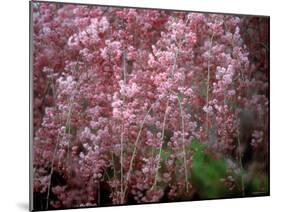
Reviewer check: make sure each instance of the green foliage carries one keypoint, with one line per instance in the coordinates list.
(166, 153)
(207, 173)
(70, 129)
(257, 185)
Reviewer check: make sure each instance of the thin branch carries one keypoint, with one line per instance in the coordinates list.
(122, 129)
(161, 147)
(175, 63)
(52, 170)
(135, 151)
(183, 146)
(207, 89)
(240, 163)
(56, 148)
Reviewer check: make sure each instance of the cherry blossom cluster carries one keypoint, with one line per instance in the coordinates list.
(120, 94)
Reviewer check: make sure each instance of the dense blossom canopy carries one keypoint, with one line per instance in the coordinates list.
(126, 100)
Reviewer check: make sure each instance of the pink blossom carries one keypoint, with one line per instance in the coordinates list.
(114, 86)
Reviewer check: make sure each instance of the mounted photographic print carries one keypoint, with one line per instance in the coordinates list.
(137, 105)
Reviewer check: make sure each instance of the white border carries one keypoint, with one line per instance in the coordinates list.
(14, 103)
